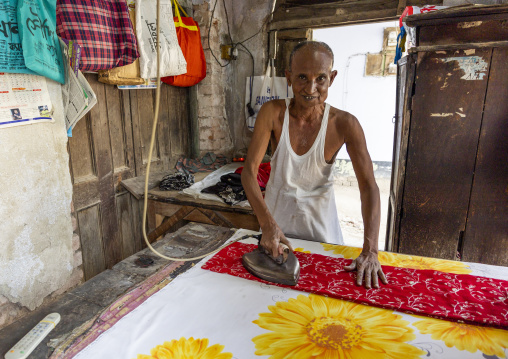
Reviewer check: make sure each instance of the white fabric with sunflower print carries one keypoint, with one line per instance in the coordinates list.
(207, 315)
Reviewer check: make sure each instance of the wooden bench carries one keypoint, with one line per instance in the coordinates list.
(169, 210)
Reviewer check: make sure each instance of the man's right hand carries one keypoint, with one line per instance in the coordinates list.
(271, 240)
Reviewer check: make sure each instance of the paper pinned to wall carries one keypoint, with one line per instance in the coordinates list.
(24, 99)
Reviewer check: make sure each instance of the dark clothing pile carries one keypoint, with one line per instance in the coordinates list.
(176, 182)
(230, 187)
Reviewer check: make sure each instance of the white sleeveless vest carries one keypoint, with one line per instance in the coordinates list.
(299, 193)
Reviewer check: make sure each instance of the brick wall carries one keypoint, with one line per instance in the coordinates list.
(214, 131)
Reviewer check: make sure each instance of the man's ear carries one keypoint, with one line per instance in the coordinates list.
(332, 76)
(288, 77)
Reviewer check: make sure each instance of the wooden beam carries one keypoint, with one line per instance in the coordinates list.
(340, 13)
(477, 45)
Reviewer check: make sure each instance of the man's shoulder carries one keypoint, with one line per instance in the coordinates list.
(272, 110)
(275, 104)
(342, 119)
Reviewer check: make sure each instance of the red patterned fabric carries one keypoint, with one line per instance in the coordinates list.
(455, 297)
(102, 28)
(263, 173)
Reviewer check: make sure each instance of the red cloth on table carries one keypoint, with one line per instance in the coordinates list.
(455, 297)
(263, 173)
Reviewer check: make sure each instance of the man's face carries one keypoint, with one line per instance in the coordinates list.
(310, 76)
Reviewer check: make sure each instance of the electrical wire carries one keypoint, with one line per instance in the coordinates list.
(232, 43)
(147, 175)
(249, 106)
(209, 28)
(252, 77)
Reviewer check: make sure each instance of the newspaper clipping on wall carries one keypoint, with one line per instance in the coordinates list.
(24, 99)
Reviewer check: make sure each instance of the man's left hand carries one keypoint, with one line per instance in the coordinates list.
(368, 267)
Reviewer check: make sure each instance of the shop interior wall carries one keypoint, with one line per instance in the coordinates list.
(37, 257)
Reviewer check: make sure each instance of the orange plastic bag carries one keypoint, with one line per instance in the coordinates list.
(189, 38)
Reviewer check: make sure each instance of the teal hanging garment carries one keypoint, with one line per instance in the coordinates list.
(11, 52)
(37, 30)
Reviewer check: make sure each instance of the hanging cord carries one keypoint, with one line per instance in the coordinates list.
(232, 43)
(147, 176)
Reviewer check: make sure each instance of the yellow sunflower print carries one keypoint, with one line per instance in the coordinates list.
(402, 260)
(300, 249)
(490, 341)
(322, 327)
(187, 349)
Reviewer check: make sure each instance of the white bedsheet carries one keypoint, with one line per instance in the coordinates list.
(222, 308)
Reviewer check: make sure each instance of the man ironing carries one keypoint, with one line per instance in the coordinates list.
(305, 135)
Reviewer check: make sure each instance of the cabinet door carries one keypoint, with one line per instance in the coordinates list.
(447, 109)
(405, 80)
(486, 235)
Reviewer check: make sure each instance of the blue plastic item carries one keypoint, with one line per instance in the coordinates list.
(401, 40)
(37, 30)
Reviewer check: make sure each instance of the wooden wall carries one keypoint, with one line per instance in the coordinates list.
(110, 144)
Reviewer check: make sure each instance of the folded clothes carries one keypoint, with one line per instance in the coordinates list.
(229, 188)
(176, 182)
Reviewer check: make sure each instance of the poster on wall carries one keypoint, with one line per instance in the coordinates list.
(24, 99)
(11, 52)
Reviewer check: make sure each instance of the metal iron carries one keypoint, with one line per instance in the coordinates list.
(284, 269)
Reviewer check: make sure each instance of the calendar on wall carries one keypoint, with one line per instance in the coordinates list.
(24, 99)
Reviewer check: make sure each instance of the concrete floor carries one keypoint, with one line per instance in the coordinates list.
(348, 203)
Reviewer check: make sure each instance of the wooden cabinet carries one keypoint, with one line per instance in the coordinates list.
(449, 190)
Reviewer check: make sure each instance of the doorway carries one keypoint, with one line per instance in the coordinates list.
(365, 86)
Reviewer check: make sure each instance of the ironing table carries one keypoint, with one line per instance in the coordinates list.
(204, 314)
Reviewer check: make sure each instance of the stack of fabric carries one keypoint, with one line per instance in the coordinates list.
(230, 188)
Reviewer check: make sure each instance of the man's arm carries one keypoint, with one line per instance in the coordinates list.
(367, 264)
(272, 235)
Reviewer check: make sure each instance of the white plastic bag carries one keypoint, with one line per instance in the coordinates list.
(264, 89)
(172, 60)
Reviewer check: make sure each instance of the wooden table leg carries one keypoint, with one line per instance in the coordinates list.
(169, 222)
(150, 216)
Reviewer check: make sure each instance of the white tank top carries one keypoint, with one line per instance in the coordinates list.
(299, 193)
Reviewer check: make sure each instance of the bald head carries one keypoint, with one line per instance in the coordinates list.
(313, 46)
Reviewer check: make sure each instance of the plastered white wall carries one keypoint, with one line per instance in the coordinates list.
(371, 99)
(36, 258)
